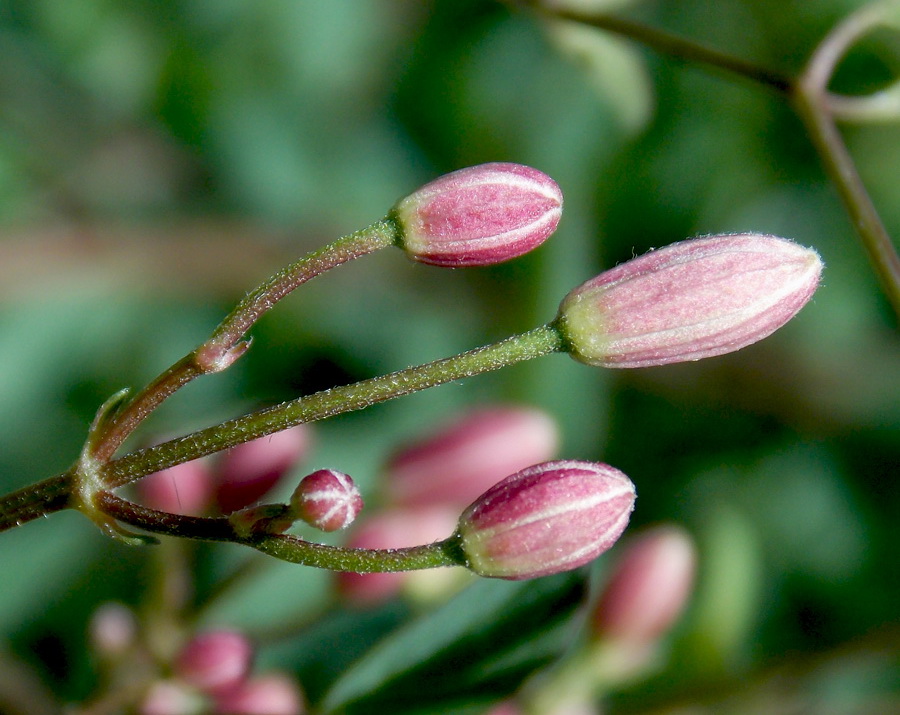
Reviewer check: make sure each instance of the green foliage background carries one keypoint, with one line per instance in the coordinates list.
(158, 159)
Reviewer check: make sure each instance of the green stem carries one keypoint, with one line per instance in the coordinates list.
(669, 44)
(329, 403)
(285, 546)
(813, 105)
(224, 346)
(36, 500)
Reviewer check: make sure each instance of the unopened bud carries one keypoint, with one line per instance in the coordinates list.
(479, 216)
(648, 587)
(113, 629)
(272, 694)
(248, 471)
(183, 489)
(215, 661)
(546, 519)
(465, 458)
(394, 529)
(327, 499)
(691, 300)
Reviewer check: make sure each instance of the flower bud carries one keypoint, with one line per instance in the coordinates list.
(112, 630)
(273, 694)
(478, 216)
(546, 519)
(214, 661)
(183, 489)
(394, 529)
(248, 471)
(327, 499)
(465, 458)
(691, 300)
(648, 587)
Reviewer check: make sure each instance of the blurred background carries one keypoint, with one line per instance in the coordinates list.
(157, 160)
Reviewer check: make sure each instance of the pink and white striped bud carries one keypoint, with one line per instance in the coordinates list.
(183, 489)
(392, 530)
(691, 300)
(248, 471)
(648, 587)
(214, 661)
(546, 519)
(465, 458)
(479, 216)
(272, 694)
(327, 499)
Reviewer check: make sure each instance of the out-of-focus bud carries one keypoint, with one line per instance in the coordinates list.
(546, 519)
(691, 300)
(479, 216)
(272, 694)
(112, 629)
(168, 697)
(327, 499)
(392, 530)
(464, 459)
(214, 661)
(248, 471)
(648, 587)
(183, 489)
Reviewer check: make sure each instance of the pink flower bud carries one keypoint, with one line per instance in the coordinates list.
(214, 661)
(546, 519)
(478, 216)
(392, 530)
(167, 697)
(273, 694)
(248, 471)
(648, 587)
(183, 489)
(327, 499)
(691, 300)
(113, 629)
(463, 459)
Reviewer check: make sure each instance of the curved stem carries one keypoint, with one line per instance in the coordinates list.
(669, 44)
(328, 403)
(224, 347)
(284, 546)
(812, 101)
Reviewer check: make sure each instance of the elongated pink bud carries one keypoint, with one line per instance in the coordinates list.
(691, 300)
(478, 216)
(327, 499)
(215, 661)
(546, 519)
(648, 587)
(468, 456)
(272, 694)
(248, 471)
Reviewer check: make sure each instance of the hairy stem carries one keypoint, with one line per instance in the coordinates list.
(284, 546)
(223, 347)
(330, 403)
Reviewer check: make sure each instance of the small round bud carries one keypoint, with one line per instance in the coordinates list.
(546, 519)
(113, 629)
(214, 661)
(327, 499)
(465, 458)
(272, 694)
(479, 216)
(168, 697)
(248, 471)
(648, 587)
(691, 300)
